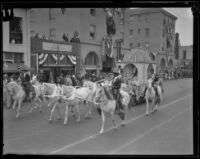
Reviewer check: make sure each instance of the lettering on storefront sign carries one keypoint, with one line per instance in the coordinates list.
(56, 47)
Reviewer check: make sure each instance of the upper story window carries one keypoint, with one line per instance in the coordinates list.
(32, 33)
(139, 30)
(131, 17)
(92, 12)
(122, 36)
(146, 18)
(131, 45)
(138, 44)
(52, 14)
(131, 32)
(92, 31)
(52, 33)
(139, 17)
(15, 25)
(147, 31)
(184, 54)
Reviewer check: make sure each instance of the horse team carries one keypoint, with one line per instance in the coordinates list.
(90, 96)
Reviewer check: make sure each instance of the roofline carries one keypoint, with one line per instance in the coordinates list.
(152, 10)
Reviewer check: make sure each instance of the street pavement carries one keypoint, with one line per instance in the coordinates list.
(169, 131)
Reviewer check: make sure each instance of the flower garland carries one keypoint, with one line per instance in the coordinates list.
(42, 58)
(72, 58)
(62, 57)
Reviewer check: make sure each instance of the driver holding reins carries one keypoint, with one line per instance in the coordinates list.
(116, 85)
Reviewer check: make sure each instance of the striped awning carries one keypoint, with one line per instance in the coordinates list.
(12, 67)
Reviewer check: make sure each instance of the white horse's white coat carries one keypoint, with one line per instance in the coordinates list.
(151, 95)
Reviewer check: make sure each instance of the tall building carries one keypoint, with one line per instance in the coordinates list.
(16, 40)
(186, 56)
(153, 29)
(90, 23)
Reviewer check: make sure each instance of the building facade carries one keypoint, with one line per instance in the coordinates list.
(153, 29)
(16, 38)
(90, 23)
(186, 56)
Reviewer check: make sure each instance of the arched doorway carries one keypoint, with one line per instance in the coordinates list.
(91, 62)
(130, 71)
(162, 64)
(150, 71)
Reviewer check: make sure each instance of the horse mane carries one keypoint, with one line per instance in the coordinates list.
(107, 93)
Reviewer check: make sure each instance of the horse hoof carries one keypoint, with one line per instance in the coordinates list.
(40, 111)
(78, 120)
(146, 114)
(123, 124)
(65, 123)
(50, 121)
(101, 132)
(59, 118)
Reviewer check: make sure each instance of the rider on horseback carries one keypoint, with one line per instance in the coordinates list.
(116, 85)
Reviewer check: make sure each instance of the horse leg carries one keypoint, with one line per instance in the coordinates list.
(14, 104)
(89, 113)
(113, 119)
(78, 112)
(32, 107)
(147, 106)
(19, 108)
(103, 120)
(66, 114)
(52, 111)
(59, 114)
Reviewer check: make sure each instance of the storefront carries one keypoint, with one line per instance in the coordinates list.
(54, 57)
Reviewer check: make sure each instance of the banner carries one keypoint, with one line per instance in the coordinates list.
(72, 59)
(42, 58)
(82, 69)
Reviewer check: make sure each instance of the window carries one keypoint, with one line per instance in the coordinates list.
(92, 31)
(131, 45)
(139, 17)
(147, 31)
(122, 35)
(121, 21)
(92, 12)
(146, 18)
(139, 30)
(32, 33)
(131, 32)
(91, 59)
(184, 54)
(52, 34)
(138, 44)
(131, 17)
(51, 14)
(14, 56)
(16, 30)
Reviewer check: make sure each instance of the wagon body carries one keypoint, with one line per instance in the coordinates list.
(137, 66)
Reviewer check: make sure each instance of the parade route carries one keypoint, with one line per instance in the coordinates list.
(168, 131)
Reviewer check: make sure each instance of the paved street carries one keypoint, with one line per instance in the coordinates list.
(168, 131)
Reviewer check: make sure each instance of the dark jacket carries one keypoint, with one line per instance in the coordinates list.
(117, 83)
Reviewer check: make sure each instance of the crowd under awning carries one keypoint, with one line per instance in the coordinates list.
(13, 68)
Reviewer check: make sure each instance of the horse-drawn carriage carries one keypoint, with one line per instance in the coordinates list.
(137, 67)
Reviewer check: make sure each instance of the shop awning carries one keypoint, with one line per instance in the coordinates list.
(12, 68)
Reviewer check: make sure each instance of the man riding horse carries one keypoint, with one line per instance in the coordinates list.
(155, 79)
(116, 85)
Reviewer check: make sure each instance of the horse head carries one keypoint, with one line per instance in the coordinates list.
(149, 84)
(12, 88)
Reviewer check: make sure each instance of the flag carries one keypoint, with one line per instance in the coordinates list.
(152, 55)
(82, 72)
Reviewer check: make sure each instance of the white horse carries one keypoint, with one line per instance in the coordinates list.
(17, 93)
(104, 97)
(151, 95)
(72, 97)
